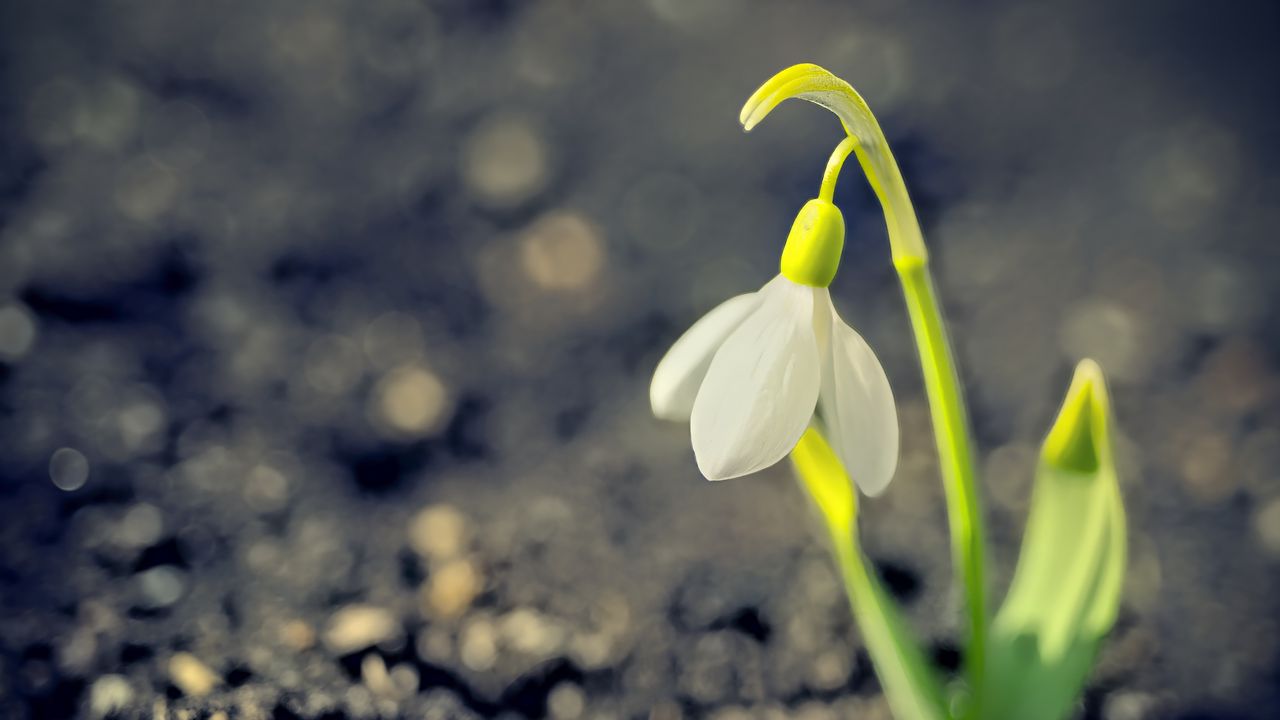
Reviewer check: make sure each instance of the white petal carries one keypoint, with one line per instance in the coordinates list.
(858, 408)
(761, 388)
(679, 374)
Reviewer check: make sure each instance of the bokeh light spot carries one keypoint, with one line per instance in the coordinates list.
(146, 190)
(562, 251)
(505, 161)
(69, 469)
(17, 332)
(411, 401)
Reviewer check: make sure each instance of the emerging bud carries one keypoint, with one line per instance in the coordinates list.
(1079, 435)
(812, 253)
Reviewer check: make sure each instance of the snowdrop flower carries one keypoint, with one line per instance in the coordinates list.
(750, 375)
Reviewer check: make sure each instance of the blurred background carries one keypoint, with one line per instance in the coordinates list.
(326, 330)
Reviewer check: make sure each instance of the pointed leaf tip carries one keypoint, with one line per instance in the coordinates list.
(1079, 433)
(826, 479)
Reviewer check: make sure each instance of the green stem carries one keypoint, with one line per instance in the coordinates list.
(955, 453)
(834, 164)
(912, 691)
(946, 401)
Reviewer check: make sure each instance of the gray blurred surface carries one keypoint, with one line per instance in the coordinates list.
(326, 331)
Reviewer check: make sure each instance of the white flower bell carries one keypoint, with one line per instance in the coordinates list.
(750, 374)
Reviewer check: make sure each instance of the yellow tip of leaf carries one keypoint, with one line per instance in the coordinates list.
(1079, 435)
(825, 478)
(773, 92)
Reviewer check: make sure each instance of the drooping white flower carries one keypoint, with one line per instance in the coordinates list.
(750, 375)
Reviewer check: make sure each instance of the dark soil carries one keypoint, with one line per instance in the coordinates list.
(326, 330)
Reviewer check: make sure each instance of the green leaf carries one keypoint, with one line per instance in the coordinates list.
(909, 683)
(1066, 589)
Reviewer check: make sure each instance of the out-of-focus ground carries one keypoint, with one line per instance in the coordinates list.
(326, 330)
